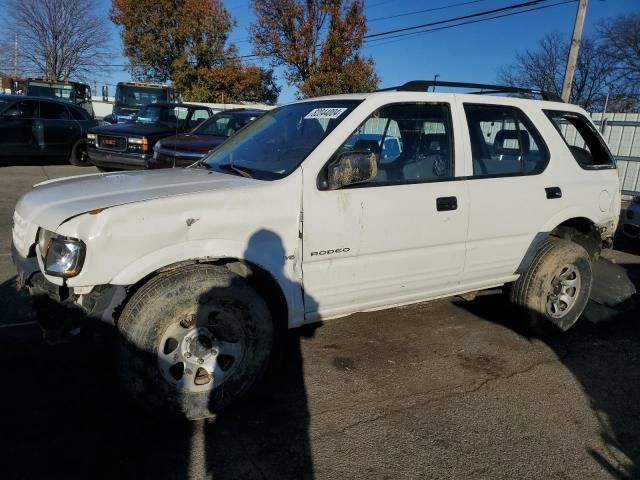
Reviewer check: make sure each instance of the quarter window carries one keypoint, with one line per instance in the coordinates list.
(586, 146)
(503, 142)
(412, 143)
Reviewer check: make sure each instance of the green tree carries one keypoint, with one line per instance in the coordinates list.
(318, 43)
(186, 41)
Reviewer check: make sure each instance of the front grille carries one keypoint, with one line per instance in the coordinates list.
(110, 142)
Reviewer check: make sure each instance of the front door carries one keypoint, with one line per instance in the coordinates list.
(398, 237)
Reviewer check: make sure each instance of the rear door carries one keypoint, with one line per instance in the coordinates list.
(18, 129)
(60, 129)
(510, 186)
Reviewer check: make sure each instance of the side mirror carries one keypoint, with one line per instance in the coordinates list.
(352, 167)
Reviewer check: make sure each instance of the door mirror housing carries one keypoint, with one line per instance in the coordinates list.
(350, 168)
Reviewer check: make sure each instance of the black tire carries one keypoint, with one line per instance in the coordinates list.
(538, 292)
(79, 156)
(219, 306)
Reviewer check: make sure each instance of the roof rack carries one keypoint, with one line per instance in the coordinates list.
(483, 89)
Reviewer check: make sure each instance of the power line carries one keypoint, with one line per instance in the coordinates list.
(455, 19)
(388, 17)
(440, 22)
(405, 36)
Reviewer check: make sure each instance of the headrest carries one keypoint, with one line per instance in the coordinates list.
(436, 142)
(511, 147)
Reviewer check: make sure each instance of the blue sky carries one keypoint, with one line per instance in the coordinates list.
(471, 53)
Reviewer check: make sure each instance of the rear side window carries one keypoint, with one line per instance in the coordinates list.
(586, 146)
(53, 111)
(503, 142)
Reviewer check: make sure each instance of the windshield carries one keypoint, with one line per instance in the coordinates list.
(52, 90)
(276, 143)
(224, 124)
(138, 96)
(166, 114)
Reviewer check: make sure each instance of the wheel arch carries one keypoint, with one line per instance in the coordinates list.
(579, 229)
(261, 279)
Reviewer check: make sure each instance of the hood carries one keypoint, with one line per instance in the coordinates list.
(190, 142)
(50, 203)
(135, 129)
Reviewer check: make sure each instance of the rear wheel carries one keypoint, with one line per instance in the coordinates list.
(555, 289)
(79, 156)
(194, 340)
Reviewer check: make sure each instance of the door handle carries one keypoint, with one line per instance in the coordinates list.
(553, 192)
(445, 204)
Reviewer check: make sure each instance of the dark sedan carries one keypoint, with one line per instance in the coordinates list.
(126, 146)
(38, 127)
(185, 149)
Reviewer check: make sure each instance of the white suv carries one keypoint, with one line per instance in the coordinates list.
(320, 209)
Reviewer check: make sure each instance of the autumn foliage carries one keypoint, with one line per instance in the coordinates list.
(186, 41)
(318, 43)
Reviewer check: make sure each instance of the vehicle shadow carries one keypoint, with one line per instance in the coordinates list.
(65, 414)
(605, 358)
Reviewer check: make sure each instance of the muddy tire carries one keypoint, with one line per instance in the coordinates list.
(79, 156)
(554, 291)
(193, 341)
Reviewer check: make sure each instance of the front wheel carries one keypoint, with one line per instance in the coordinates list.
(555, 289)
(79, 156)
(194, 340)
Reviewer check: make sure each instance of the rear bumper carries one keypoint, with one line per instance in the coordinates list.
(121, 160)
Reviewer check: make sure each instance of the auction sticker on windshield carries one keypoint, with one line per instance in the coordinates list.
(325, 113)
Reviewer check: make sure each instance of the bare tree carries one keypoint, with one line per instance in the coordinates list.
(58, 39)
(620, 39)
(544, 66)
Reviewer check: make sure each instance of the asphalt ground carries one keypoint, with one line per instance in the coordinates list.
(444, 389)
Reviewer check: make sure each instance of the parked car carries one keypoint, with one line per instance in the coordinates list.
(43, 127)
(184, 149)
(631, 220)
(126, 146)
(289, 222)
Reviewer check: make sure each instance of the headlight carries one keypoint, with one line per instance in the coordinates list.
(138, 144)
(62, 256)
(91, 138)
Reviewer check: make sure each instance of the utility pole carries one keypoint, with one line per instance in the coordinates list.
(573, 51)
(15, 55)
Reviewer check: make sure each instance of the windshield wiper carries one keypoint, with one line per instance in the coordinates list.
(242, 171)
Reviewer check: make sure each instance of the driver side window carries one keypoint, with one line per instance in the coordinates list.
(412, 143)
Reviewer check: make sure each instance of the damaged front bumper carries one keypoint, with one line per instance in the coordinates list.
(100, 303)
